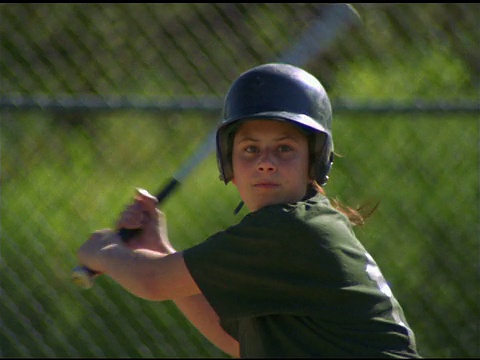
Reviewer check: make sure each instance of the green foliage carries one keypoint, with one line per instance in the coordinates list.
(433, 74)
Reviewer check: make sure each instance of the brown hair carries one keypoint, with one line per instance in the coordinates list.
(357, 216)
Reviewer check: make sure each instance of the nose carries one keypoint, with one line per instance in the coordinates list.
(266, 162)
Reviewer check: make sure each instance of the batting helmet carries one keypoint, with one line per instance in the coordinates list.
(278, 92)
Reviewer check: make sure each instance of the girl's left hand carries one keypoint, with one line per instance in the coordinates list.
(143, 214)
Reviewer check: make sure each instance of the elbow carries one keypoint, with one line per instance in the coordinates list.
(162, 278)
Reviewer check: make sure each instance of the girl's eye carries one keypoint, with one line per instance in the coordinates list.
(252, 149)
(284, 148)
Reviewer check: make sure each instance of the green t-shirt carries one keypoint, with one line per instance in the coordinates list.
(292, 280)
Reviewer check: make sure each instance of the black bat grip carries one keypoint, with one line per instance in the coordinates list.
(167, 190)
(127, 234)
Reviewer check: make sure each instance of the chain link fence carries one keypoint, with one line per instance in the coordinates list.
(97, 99)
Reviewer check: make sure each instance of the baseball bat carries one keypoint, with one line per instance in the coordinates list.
(83, 276)
(317, 38)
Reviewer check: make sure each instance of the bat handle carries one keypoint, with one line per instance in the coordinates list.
(84, 277)
(127, 234)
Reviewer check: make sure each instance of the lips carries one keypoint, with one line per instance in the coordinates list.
(266, 184)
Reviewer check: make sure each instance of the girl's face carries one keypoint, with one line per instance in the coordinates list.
(270, 163)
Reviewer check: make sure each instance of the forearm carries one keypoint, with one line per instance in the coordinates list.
(199, 312)
(138, 271)
(151, 275)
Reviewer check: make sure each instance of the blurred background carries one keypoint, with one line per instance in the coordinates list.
(97, 99)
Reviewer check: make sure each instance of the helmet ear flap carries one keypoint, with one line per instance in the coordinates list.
(321, 150)
(323, 169)
(224, 151)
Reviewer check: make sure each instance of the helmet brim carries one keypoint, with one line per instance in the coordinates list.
(297, 119)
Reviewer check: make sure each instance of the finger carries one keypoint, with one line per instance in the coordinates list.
(148, 201)
(131, 217)
(100, 234)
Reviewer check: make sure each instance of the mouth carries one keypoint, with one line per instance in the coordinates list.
(265, 185)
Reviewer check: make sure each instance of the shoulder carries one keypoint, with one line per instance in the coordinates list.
(311, 222)
(315, 213)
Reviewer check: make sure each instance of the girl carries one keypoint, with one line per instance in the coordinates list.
(290, 279)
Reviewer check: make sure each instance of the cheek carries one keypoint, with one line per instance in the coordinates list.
(238, 166)
(304, 169)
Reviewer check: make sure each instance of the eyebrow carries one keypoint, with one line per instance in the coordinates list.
(247, 137)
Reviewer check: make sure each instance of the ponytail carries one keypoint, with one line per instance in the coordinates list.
(356, 216)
